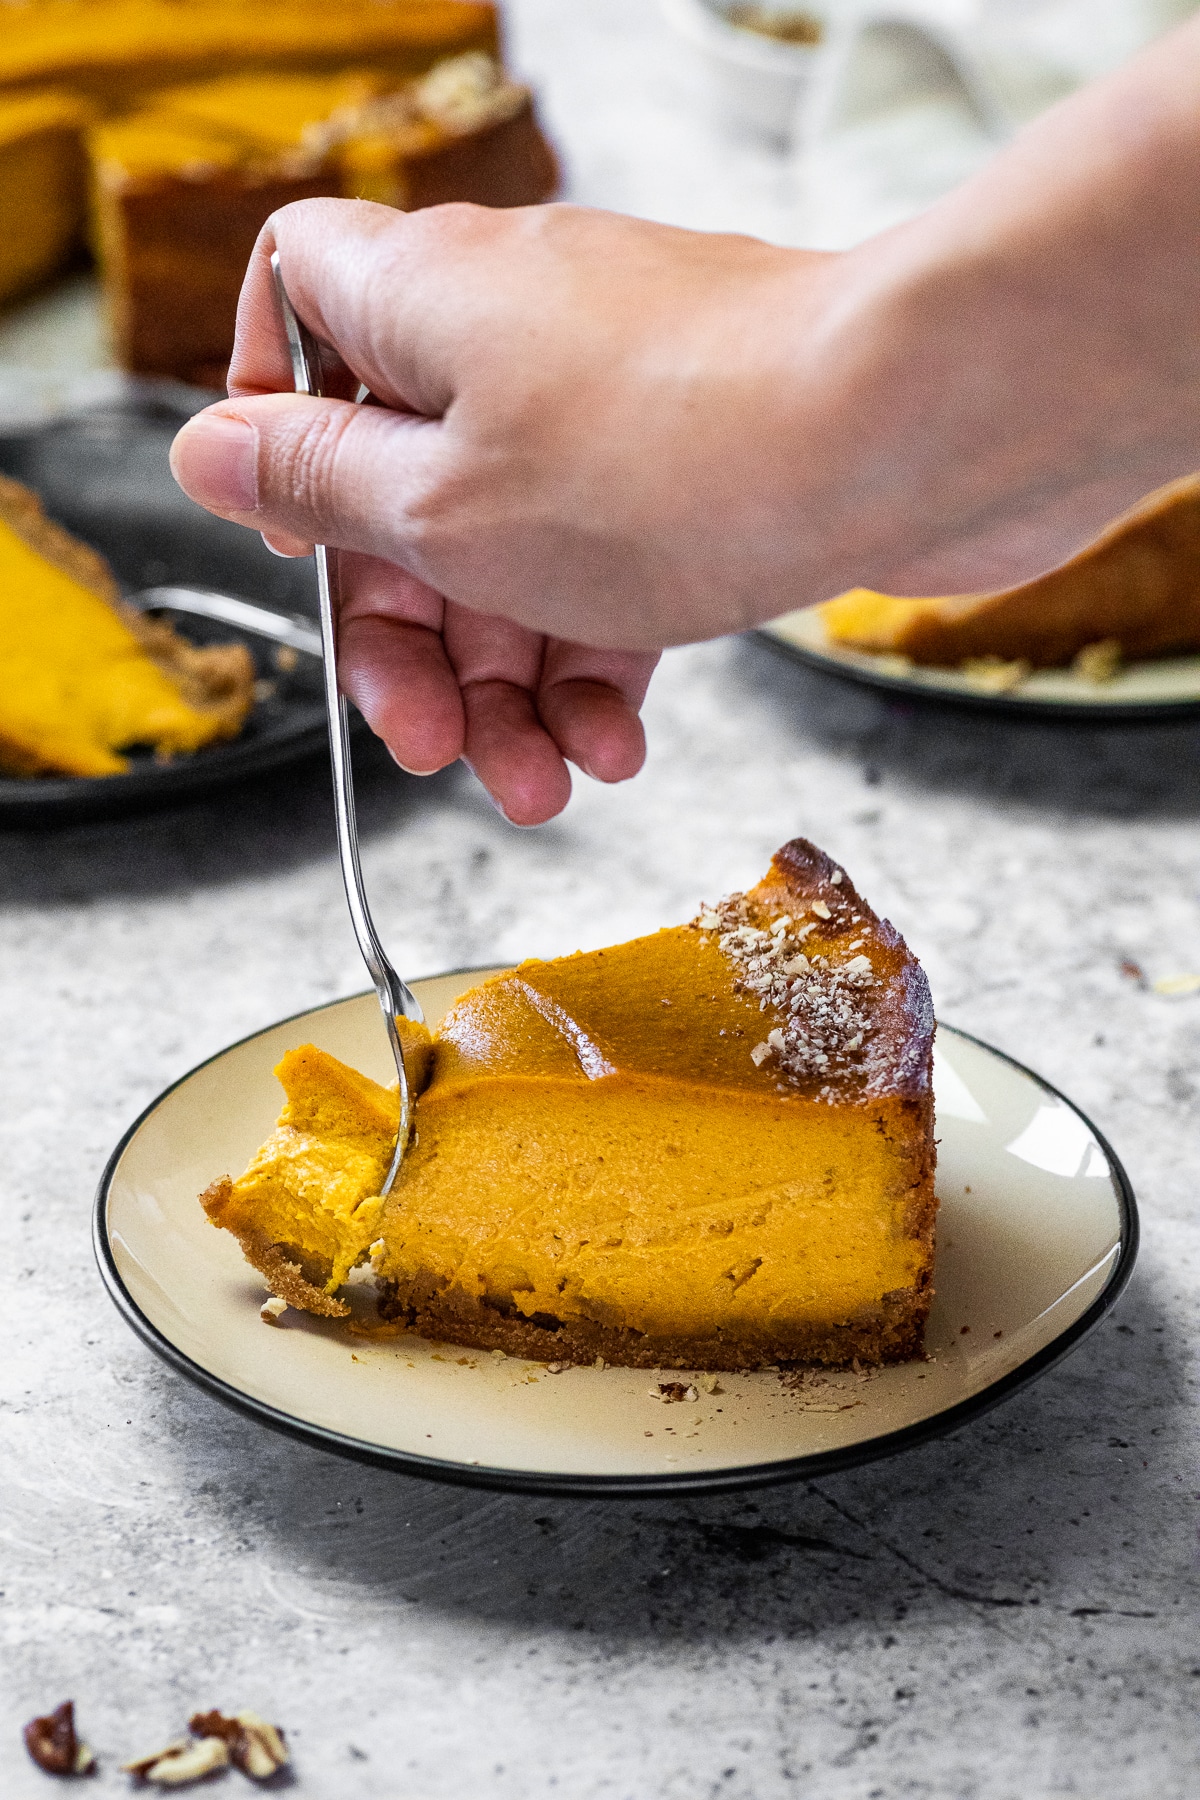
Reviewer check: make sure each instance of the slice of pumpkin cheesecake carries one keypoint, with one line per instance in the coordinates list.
(707, 1148)
(1134, 590)
(83, 676)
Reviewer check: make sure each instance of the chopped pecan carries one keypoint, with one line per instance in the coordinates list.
(256, 1747)
(187, 1759)
(53, 1745)
(673, 1392)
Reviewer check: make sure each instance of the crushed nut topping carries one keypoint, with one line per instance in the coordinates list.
(255, 1747)
(461, 95)
(53, 1745)
(671, 1393)
(187, 1759)
(272, 1310)
(824, 1024)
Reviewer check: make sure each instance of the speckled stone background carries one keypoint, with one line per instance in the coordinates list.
(1007, 1614)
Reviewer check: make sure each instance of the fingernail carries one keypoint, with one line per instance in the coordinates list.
(288, 555)
(423, 773)
(215, 461)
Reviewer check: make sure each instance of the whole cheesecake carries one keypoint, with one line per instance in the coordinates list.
(710, 1148)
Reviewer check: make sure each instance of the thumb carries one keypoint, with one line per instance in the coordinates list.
(311, 470)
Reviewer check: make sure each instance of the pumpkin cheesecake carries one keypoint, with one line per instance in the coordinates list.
(708, 1148)
(183, 187)
(84, 677)
(43, 187)
(1135, 589)
(116, 51)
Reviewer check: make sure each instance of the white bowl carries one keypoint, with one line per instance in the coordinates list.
(757, 82)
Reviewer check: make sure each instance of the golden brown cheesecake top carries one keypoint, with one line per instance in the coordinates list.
(793, 988)
(114, 48)
(355, 122)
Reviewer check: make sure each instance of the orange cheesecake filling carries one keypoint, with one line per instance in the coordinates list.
(706, 1145)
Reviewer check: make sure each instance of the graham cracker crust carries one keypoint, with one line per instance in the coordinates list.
(894, 1334)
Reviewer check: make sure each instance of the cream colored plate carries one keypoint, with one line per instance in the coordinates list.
(1140, 690)
(1037, 1234)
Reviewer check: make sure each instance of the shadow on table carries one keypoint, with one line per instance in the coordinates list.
(257, 828)
(1056, 1504)
(1131, 770)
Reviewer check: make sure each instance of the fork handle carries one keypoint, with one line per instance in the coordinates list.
(396, 999)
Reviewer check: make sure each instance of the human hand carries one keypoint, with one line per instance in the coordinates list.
(617, 435)
(437, 682)
(434, 679)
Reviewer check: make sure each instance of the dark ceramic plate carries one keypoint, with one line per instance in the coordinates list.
(102, 471)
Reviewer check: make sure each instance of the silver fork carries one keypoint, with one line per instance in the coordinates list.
(395, 996)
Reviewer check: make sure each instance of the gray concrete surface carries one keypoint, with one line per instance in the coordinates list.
(1004, 1615)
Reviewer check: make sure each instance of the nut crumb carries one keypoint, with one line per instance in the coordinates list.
(837, 877)
(671, 1393)
(1176, 987)
(272, 1310)
(994, 674)
(255, 1746)
(556, 1368)
(1099, 662)
(709, 1384)
(53, 1745)
(821, 1004)
(187, 1759)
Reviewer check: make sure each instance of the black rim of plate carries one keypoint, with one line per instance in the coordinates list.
(75, 800)
(752, 1475)
(1085, 712)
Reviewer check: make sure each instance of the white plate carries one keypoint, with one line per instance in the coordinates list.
(1139, 691)
(1036, 1236)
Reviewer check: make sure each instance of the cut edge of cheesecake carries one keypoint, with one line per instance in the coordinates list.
(896, 1076)
(1135, 586)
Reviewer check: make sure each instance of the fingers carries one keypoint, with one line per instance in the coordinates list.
(498, 666)
(375, 285)
(532, 705)
(514, 757)
(589, 700)
(393, 664)
(262, 361)
(302, 470)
